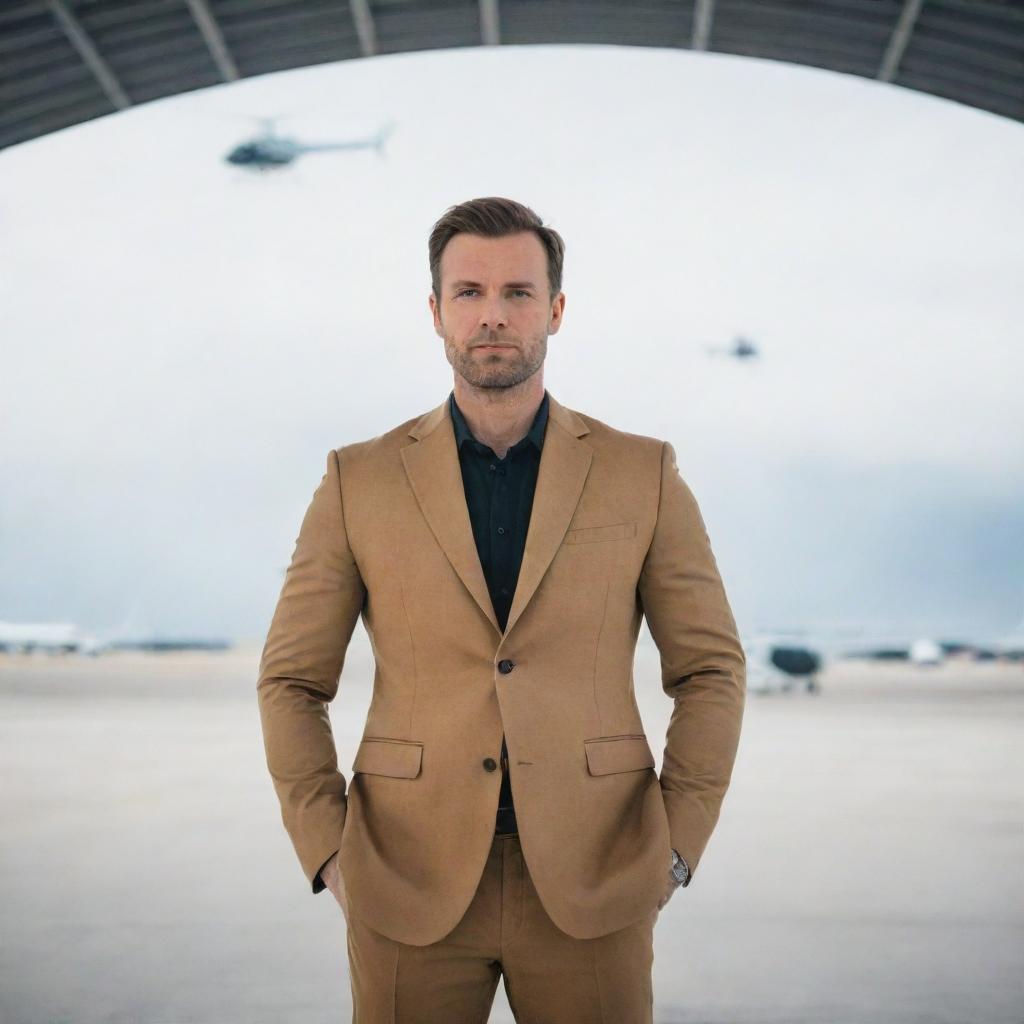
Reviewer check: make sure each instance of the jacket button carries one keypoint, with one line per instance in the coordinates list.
(490, 764)
(505, 666)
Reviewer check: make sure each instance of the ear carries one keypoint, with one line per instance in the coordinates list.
(435, 310)
(557, 308)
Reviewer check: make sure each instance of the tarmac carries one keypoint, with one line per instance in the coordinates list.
(867, 865)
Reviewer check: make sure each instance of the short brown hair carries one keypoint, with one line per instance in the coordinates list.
(494, 217)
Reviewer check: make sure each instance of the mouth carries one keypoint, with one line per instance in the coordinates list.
(485, 347)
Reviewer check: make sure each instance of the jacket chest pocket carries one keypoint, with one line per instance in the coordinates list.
(398, 759)
(609, 754)
(591, 534)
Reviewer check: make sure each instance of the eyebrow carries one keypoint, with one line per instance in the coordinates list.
(508, 284)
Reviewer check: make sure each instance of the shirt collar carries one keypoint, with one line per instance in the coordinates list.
(535, 434)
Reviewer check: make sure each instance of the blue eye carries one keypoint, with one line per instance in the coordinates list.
(465, 291)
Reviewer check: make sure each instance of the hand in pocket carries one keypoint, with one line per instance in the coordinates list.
(331, 874)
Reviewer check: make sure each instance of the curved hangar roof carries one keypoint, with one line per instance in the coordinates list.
(66, 61)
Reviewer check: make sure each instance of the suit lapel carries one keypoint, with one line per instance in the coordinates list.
(435, 475)
(564, 464)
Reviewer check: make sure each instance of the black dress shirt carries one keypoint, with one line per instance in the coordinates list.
(499, 496)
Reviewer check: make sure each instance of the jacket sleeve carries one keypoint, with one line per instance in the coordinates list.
(703, 665)
(319, 604)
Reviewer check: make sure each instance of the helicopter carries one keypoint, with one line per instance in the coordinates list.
(270, 150)
(740, 349)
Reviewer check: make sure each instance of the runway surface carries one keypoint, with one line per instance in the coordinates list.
(868, 865)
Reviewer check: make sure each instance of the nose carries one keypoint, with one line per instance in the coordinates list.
(494, 315)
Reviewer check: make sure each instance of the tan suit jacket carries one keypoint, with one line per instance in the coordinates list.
(615, 534)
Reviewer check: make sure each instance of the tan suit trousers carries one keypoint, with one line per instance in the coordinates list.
(549, 976)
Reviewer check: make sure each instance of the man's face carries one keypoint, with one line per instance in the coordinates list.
(494, 292)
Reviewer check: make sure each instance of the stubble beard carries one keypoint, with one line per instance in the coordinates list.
(498, 370)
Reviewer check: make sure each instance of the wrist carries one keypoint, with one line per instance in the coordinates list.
(328, 869)
(680, 869)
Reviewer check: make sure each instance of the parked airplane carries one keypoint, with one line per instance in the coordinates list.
(68, 638)
(785, 661)
(54, 637)
(777, 664)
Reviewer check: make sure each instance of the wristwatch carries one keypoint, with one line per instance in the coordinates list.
(680, 869)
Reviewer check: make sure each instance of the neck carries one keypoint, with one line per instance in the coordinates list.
(499, 417)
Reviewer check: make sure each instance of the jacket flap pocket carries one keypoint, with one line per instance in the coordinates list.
(614, 531)
(400, 759)
(608, 754)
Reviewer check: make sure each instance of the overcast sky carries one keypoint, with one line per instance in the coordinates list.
(183, 342)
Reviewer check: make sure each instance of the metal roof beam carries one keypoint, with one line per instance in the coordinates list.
(364, 26)
(490, 23)
(203, 17)
(80, 40)
(703, 18)
(899, 40)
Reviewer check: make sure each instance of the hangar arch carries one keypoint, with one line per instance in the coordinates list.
(63, 62)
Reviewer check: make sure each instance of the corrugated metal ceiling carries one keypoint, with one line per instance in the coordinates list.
(66, 61)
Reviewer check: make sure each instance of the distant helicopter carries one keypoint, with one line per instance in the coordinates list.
(270, 150)
(740, 349)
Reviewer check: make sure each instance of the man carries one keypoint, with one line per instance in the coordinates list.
(504, 817)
